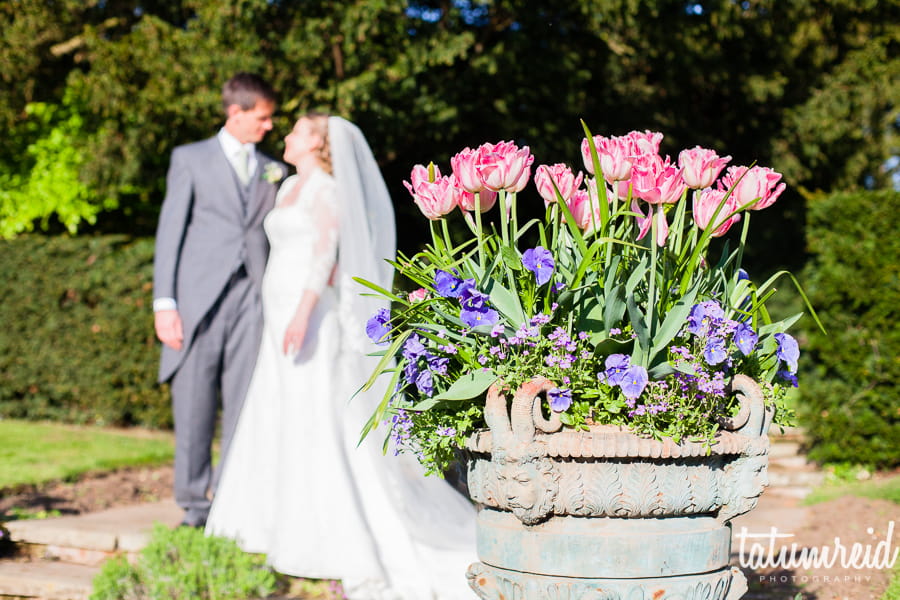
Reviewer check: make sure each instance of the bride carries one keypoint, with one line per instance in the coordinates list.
(295, 485)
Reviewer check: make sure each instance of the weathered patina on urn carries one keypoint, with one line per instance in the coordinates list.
(605, 514)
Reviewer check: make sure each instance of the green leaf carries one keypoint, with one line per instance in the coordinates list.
(642, 341)
(378, 416)
(471, 385)
(380, 290)
(614, 308)
(674, 320)
(511, 258)
(506, 302)
(389, 354)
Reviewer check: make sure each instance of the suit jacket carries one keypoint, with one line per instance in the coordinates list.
(205, 233)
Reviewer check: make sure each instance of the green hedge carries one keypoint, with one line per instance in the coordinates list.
(850, 399)
(77, 341)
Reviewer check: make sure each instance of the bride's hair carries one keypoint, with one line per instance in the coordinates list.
(320, 125)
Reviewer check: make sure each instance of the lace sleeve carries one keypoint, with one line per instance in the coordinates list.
(323, 211)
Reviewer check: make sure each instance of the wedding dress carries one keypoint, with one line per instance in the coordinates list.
(295, 485)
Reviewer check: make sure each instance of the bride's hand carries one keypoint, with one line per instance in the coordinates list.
(294, 335)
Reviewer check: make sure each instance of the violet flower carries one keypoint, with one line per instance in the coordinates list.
(413, 348)
(378, 326)
(450, 286)
(560, 399)
(702, 315)
(476, 310)
(539, 261)
(634, 381)
(425, 383)
(714, 352)
(788, 350)
(745, 338)
(616, 365)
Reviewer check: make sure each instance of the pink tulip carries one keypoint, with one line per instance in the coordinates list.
(466, 199)
(464, 167)
(705, 204)
(656, 181)
(644, 173)
(645, 222)
(585, 210)
(646, 142)
(700, 166)
(622, 189)
(420, 173)
(614, 154)
(434, 198)
(417, 295)
(566, 182)
(757, 183)
(504, 166)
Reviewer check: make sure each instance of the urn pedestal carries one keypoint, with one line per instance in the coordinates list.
(605, 514)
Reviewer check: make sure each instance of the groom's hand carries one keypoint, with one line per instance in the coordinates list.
(168, 328)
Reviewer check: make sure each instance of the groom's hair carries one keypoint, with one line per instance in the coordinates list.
(245, 89)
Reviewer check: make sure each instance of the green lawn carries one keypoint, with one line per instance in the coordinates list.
(884, 489)
(32, 453)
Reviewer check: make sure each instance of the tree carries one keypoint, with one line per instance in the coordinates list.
(804, 87)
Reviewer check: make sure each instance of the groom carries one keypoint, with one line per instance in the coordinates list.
(210, 255)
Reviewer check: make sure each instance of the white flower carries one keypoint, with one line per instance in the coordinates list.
(273, 173)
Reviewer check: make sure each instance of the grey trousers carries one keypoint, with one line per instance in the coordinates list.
(217, 368)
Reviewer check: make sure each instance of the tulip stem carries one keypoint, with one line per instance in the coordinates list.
(504, 218)
(479, 234)
(515, 218)
(449, 243)
(651, 295)
(744, 231)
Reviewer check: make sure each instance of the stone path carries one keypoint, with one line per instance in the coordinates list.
(66, 552)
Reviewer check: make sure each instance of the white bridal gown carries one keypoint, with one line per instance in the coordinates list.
(295, 485)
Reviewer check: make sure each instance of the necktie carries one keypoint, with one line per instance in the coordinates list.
(241, 167)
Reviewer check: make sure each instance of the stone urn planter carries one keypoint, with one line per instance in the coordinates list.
(605, 514)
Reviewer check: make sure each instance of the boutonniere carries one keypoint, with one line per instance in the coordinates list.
(272, 173)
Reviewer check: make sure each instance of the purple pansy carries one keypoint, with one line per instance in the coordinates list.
(448, 285)
(539, 261)
(616, 365)
(475, 309)
(425, 383)
(378, 326)
(560, 399)
(634, 381)
(788, 377)
(702, 315)
(438, 364)
(788, 350)
(745, 338)
(413, 348)
(411, 371)
(714, 352)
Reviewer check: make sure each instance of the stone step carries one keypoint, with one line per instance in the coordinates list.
(793, 463)
(46, 580)
(794, 478)
(784, 449)
(91, 538)
(790, 434)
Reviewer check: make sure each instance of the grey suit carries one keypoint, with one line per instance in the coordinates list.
(210, 256)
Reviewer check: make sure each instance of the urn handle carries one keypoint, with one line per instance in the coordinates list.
(525, 417)
(753, 418)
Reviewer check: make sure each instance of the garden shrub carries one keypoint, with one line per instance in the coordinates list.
(184, 564)
(850, 396)
(77, 342)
